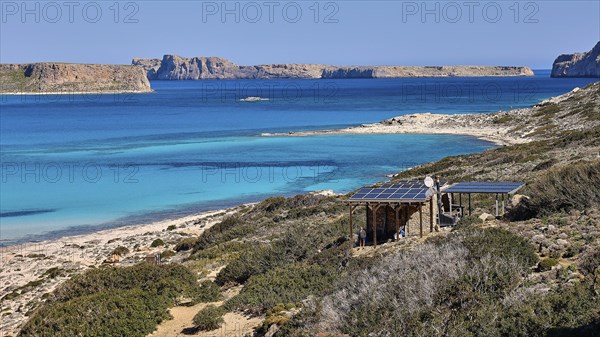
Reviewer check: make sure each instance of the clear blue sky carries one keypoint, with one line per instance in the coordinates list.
(366, 32)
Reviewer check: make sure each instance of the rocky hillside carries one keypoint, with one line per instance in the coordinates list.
(578, 64)
(173, 67)
(69, 78)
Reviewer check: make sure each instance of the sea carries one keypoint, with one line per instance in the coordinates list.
(76, 163)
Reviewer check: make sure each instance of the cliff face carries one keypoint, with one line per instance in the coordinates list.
(173, 67)
(578, 64)
(66, 77)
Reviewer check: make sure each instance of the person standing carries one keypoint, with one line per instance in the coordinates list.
(362, 237)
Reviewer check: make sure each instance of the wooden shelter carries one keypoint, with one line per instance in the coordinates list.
(390, 207)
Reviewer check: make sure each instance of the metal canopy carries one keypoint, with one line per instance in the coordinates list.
(498, 187)
(401, 191)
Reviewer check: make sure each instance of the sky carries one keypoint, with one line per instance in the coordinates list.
(344, 32)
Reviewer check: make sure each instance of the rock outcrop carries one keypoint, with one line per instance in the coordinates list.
(71, 78)
(173, 67)
(578, 64)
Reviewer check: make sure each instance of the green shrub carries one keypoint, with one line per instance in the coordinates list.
(566, 188)
(185, 244)
(547, 264)
(121, 251)
(574, 249)
(209, 292)
(292, 283)
(157, 243)
(167, 253)
(209, 318)
(468, 221)
(171, 227)
(170, 280)
(117, 312)
(590, 259)
(128, 301)
(498, 242)
(272, 204)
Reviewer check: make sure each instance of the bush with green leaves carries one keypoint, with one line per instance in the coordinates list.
(209, 318)
(567, 187)
(468, 221)
(157, 243)
(121, 251)
(289, 284)
(209, 292)
(547, 264)
(128, 301)
(185, 244)
(130, 312)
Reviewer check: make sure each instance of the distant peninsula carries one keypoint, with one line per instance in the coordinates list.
(70, 78)
(579, 64)
(173, 67)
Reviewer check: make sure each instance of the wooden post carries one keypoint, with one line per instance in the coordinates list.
(352, 207)
(503, 210)
(406, 218)
(496, 205)
(460, 203)
(397, 211)
(469, 203)
(420, 220)
(375, 208)
(431, 215)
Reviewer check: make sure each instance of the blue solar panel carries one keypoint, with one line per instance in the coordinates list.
(406, 191)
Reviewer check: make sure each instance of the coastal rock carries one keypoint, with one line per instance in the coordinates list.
(578, 64)
(173, 67)
(71, 78)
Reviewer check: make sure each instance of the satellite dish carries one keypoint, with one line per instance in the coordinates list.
(429, 192)
(428, 182)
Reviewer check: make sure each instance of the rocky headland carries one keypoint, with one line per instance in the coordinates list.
(578, 64)
(69, 78)
(173, 67)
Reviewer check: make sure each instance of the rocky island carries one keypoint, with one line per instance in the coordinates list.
(579, 64)
(69, 78)
(173, 67)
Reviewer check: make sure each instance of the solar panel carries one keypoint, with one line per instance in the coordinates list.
(503, 187)
(405, 191)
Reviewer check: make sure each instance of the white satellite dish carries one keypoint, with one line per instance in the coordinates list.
(428, 182)
(429, 192)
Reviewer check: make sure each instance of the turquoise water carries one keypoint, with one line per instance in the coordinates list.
(77, 163)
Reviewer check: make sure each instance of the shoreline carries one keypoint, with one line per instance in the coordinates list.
(481, 126)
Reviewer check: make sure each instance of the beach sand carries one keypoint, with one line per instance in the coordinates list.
(480, 126)
(28, 268)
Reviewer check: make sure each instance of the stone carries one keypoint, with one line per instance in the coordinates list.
(486, 217)
(562, 242)
(578, 64)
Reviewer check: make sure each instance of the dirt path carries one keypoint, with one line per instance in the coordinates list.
(235, 323)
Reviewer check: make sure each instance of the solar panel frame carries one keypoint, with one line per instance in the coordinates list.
(499, 187)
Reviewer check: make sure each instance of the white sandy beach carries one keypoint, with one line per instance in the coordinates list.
(480, 126)
(28, 262)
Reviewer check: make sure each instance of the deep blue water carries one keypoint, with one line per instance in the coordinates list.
(81, 162)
